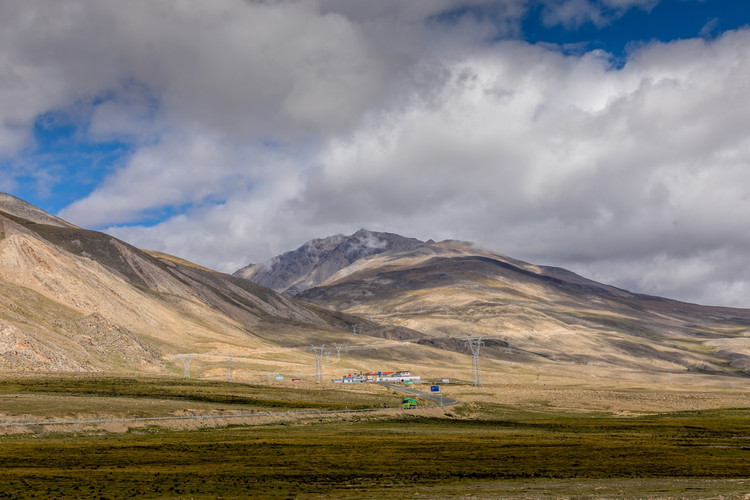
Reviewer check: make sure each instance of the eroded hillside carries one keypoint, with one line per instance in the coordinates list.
(78, 300)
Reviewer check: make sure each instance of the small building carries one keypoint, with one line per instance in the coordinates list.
(352, 378)
(402, 376)
(358, 378)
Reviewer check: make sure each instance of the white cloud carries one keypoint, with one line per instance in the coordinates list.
(201, 88)
(244, 69)
(277, 122)
(565, 160)
(634, 176)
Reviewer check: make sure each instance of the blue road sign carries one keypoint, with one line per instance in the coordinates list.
(434, 388)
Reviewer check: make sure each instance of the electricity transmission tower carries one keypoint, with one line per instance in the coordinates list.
(318, 359)
(474, 344)
(338, 352)
(229, 368)
(186, 359)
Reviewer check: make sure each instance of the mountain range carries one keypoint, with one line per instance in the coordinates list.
(78, 300)
(451, 290)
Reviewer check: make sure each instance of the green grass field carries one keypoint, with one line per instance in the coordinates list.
(498, 451)
(67, 397)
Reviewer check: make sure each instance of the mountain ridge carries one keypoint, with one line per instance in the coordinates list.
(78, 300)
(452, 290)
(25, 210)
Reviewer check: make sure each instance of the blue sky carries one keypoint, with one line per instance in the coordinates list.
(605, 136)
(665, 21)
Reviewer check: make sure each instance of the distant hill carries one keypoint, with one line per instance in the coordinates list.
(450, 290)
(79, 300)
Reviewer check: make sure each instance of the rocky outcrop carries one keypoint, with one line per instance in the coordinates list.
(101, 337)
(24, 351)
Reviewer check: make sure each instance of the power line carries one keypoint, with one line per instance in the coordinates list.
(318, 369)
(186, 360)
(474, 344)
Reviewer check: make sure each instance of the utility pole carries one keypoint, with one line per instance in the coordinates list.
(474, 344)
(318, 358)
(186, 359)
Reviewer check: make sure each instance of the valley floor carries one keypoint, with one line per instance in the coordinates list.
(498, 441)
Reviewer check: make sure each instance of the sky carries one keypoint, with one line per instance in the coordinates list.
(609, 137)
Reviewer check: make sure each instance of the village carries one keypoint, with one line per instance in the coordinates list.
(398, 376)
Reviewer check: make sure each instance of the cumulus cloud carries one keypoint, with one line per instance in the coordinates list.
(264, 124)
(552, 157)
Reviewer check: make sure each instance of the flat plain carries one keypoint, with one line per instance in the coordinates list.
(509, 441)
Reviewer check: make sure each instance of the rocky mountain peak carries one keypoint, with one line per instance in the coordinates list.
(318, 259)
